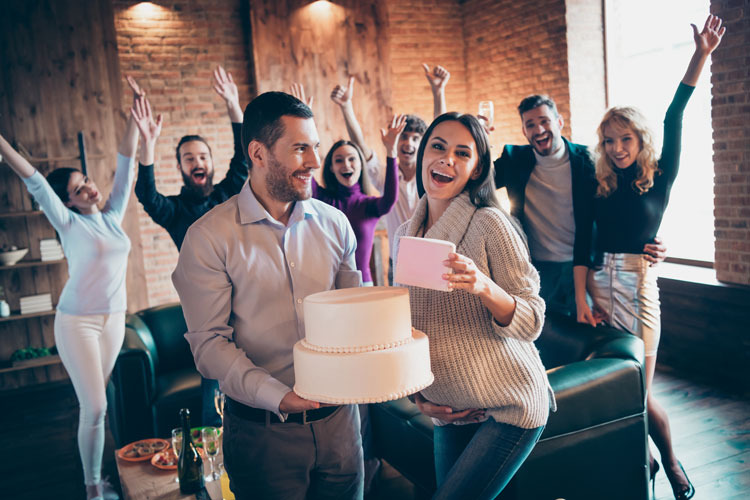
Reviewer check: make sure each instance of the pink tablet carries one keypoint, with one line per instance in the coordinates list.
(420, 262)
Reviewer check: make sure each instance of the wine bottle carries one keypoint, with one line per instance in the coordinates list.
(190, 464)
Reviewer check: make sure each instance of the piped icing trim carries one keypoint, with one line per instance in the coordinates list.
(380, 399)
(366, 348)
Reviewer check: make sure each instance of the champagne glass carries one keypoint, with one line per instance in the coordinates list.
(219, 404)
(211, 446)
(176, 446)
(487, 110)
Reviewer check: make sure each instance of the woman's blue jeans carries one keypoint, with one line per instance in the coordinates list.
(478, 460)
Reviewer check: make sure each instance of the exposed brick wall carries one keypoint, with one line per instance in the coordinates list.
(426, 31)
(730, 77)
(514, 49)
(498, 50)
(172, 51)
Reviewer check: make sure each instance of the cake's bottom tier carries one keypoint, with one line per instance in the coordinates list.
(363, 377)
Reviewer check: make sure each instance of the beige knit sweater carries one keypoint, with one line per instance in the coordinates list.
(478, 363)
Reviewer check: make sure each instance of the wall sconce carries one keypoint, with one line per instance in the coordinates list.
(320, 8)
(147, 10)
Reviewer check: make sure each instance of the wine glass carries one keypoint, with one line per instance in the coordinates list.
(487, 110)
(219, 404)
(211, 446)
(176, 446)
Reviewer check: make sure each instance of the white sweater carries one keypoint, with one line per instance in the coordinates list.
(476, 362)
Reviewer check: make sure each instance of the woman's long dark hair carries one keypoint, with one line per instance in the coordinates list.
(482, 189)
(58, 180)
(329, 178)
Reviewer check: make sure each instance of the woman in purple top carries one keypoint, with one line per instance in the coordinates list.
(350, 191)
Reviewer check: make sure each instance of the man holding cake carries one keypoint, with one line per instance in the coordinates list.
(243, 272)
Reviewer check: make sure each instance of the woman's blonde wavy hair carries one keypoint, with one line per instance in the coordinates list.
(606, 176)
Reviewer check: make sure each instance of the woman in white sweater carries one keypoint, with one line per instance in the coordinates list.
(90, 317)
(491, 397)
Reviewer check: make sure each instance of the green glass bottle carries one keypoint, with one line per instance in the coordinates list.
(190, 464)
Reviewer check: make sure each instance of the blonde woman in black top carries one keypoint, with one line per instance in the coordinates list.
(632, 195)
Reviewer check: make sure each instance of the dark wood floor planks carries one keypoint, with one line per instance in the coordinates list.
(711, 437)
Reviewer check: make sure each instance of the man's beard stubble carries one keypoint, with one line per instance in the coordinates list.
(280, 186)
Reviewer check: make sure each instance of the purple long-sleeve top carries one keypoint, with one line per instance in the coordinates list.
(363, 211)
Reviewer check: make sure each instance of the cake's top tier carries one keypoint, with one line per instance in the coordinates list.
(357, 319)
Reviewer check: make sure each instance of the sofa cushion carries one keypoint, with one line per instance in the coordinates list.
(168, 328)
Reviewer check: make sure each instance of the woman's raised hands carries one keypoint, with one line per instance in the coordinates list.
(390, 136)
(709, 38)
(138, 92)
(298, 91)
(343, 95)
(224, 85)
(705, 42)
(144, 120)
(149, 128)
(226, 88)
(437, 77)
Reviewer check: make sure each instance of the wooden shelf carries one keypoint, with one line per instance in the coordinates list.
(8, 215)
(33, 263)
(16, 316)
(31, 363)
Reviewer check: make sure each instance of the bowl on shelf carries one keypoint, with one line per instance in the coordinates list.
(10, 257)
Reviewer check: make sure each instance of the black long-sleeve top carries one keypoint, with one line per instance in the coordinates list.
(176, 213)
(627, 220)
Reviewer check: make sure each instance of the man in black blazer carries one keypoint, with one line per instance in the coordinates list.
(551, 186)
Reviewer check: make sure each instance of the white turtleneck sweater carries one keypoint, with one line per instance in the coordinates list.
(548, 209)
(476, 362)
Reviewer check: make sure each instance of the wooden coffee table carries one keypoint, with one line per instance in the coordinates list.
(143, 481)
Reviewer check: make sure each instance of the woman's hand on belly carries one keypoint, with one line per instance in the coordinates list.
(446, 413)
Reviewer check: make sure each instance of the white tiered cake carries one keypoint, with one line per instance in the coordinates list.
(359, 347)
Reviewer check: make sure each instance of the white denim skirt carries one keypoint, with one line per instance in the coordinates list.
(625, 289)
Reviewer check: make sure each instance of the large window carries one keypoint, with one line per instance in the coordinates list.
(649, 44)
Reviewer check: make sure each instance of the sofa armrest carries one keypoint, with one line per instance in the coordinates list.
(616, 344)
(594, 392)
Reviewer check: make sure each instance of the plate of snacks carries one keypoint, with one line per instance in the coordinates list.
(166, 460)
(143, 449)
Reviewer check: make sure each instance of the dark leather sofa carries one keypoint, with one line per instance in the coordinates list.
(593, 447)
(153, 378)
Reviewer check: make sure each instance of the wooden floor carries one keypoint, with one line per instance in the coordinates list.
(39, 454)
(711, 437)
